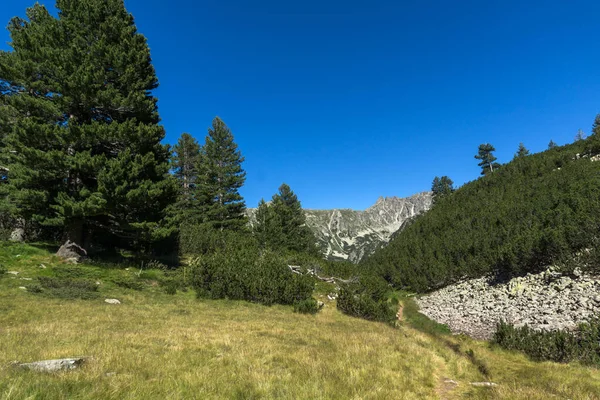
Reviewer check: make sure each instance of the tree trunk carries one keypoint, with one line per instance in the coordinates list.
(74, 231)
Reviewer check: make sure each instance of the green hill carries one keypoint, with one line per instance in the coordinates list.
(533, 211)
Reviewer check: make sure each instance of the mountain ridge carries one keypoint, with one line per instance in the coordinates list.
(351, 235)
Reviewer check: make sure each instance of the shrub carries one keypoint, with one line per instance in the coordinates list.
(560, 346)
(243, 274)
(3, 270)
(128, 282)
(308, 306)
(67, 288)
(367, 299)
(170, 287)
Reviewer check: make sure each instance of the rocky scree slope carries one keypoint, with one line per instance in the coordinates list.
(351, 235)
(548, 300)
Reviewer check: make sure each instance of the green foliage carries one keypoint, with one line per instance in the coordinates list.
(441, 187)
(583, 345)
(82, 139)
(307, 306)
(281, 225)
(220, 176)
(532, 212)
(552, 145)
(199, 239)
(522, 151)
(128, 282)
(61, 288)
(184, 164)
(241, 273)
(410, 313)
(485, 154)
(367, 299)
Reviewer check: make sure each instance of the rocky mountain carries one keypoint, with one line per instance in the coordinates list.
(351, 235)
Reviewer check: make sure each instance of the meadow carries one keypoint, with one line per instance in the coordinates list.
(156, 345)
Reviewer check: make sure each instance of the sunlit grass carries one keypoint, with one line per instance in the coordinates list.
(157, 346)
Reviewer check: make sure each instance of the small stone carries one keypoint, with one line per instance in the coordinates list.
(112, 301)
(42, 266)
(54, 365)
(22, 288)
(26, 279)
(13, 272)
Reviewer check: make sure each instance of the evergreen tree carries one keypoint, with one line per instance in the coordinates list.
(281, 225)
(220, 176)
(441, 187)
(295, 235)
(593, 142)
(552, 145)
(522, 151)
(579, 136)
(184, 164)
(487, 158)
(85, 130)
(268, 227)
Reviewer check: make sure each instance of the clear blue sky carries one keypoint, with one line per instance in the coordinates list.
(347, 101)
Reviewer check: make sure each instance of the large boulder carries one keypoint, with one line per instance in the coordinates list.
(72, 252)
(17, 235)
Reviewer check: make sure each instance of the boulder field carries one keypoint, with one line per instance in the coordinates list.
(548, 300)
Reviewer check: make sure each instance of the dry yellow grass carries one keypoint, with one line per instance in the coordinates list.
(155, 346)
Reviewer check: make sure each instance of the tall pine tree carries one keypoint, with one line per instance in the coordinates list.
(184, 164)
(441, 187)
(282, 223)
(85, 135)
(522, 151)
(485, 154)
(220, 176)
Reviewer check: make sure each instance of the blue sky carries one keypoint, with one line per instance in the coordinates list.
(347, 101)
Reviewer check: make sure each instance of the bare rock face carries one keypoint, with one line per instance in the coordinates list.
(352, 235)
(71, 252)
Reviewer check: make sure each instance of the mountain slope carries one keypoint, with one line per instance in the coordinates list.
(351, 235)
(530, 213)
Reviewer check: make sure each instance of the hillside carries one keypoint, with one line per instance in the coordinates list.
(351, 235)
(534, 211)
(154, 346)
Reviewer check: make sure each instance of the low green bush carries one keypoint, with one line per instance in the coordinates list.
(128, 282)
(581, 345)
(308, 306)
(66, 288)
(367, 299)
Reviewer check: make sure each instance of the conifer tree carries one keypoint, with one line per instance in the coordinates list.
(184, 164)
(295, 235)
(552, 145)
(441, 187)
(487, 158)
(267, 229)
(579, 136)
(220, 176)
(522, 151)
(84, 129)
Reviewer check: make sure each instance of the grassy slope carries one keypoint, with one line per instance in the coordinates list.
(161, 346)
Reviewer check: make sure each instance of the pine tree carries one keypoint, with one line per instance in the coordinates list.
(85, 131)
(522, 151)
(267, 228)
(441, 187)
(295, 235)
(184, 164)
(487, 158)
(220, 176)
(552, 145)
(579, 136)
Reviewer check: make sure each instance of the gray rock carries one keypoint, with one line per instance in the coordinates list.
(17, 235)
(63, 364)
(112, 301)
(71, 252)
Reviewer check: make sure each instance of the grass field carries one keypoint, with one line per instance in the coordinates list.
(160, 346)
